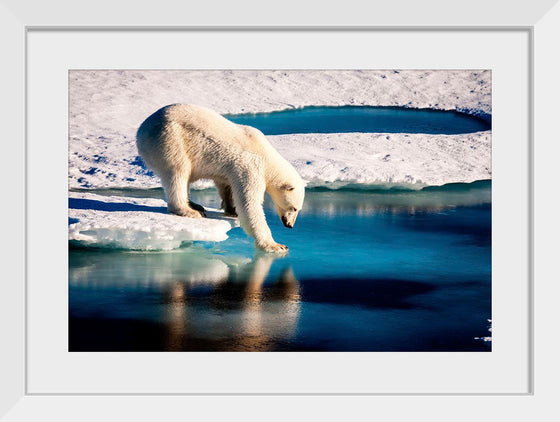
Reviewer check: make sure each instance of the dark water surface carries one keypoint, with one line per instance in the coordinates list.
(344, 119)
(367, 271)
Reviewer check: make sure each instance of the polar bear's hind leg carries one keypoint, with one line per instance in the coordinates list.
(176, 186)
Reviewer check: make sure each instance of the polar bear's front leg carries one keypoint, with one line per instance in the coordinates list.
(248, 191)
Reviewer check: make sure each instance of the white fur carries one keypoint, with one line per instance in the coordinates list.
(183, 143)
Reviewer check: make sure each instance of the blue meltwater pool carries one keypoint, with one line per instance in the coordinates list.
(366, 271)
(362, 119)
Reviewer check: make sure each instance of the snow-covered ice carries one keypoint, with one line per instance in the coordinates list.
(106, 108)
(412, 160)
(138, 223)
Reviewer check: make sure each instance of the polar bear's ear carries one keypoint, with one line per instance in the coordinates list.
(287, 186)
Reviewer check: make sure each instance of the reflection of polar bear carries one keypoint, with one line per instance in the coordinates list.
(184, 143)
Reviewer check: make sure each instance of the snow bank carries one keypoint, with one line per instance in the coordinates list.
(106, 108)
(137, 223)
(414, 160)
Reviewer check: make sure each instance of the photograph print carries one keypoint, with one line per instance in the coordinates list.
(280, 210)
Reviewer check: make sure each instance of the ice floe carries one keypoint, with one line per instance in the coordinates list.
(137, 223)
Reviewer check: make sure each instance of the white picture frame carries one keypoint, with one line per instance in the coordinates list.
(540, 20)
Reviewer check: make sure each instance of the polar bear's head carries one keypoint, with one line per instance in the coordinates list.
(288, 198)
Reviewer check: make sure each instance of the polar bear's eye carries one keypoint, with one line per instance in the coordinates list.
(292, 209)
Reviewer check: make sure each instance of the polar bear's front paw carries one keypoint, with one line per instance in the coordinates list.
(273, 247)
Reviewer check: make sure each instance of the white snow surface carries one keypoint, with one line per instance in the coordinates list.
(106, 107)
(138, 223)
(408, 160)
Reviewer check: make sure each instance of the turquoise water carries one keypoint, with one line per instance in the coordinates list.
(362, 119)
(367, 271)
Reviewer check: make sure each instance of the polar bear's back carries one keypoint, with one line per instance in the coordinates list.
(196, 127)
(187, 139)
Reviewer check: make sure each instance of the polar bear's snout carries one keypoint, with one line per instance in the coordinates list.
(286, 223)
(289, 219)
(289, 201)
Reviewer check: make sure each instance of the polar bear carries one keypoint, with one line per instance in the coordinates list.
(182, 143)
